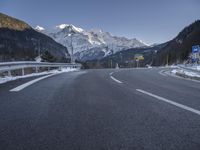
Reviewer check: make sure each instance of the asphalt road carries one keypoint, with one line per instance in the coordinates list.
(101, 110)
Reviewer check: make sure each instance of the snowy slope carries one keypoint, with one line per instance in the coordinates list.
(93, 44)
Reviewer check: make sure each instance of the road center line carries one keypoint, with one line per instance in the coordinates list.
(170, 102)
(21, 87)
(115, 79)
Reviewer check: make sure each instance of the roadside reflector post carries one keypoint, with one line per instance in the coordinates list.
(22, 71)
(36, 69)
(9, 73)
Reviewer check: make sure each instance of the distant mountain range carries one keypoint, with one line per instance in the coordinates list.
(174, 51)
(19, 42)
(89, 45)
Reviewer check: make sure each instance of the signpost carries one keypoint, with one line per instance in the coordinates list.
(195, 49)
(138, 58)
(195, 53)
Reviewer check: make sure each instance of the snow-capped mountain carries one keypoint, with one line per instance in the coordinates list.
(87, 45)
(38, 28)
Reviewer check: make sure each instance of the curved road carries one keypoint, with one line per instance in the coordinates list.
(106, 109)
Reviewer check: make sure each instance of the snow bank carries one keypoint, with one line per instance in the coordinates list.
(185, 73)
(193, 67)
(11, 78)
(198, 68)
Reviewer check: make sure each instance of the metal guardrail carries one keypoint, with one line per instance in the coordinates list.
(9, 66)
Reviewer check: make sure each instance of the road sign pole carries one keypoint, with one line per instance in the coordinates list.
(195, 53)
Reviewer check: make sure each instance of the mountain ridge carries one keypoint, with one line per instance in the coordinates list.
(12, 23)
(20, 42)
(84, 41)
(178, 49)
(174, 51)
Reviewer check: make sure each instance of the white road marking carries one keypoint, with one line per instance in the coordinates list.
(115, 79)
(111, 73)
(21, 87)
(162, 73)
(170, 102)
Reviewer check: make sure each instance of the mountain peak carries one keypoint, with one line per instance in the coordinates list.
(144, 43)
(95, 42)
(62, 26)
(70, 26)
(39, 28)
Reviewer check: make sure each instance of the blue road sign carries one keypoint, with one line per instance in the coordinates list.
(195, 49)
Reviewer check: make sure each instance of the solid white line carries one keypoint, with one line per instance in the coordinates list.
(115, 79)
(170, 102)
(21, 87)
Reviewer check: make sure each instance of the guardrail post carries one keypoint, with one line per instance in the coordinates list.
(60, 68)
(22, 71)
(36, 69)
(9, 73)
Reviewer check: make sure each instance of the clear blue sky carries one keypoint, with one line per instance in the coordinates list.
(153, 21)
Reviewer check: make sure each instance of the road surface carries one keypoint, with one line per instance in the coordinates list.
(108, 109)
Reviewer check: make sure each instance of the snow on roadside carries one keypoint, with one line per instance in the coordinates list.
(193, 67)
(186, 73)
(196, 68)
(11, 78)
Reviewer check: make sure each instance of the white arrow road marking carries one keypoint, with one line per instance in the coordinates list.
(170, 102)
(162, 73)
(21, 87)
